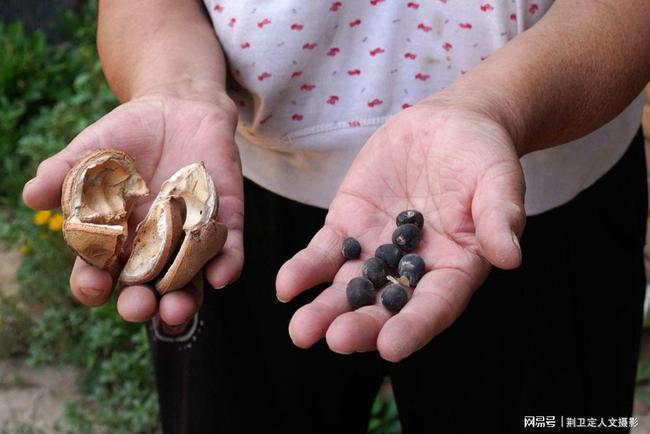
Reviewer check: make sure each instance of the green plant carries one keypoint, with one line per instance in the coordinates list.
(384, 418)
(48, 94)
(116, 381)
(14, 327)
(21, 428)
(642, 381)
(17, 381)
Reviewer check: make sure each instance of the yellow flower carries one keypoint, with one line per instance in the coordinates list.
(42, 217)
(24, 249)
(56, 222)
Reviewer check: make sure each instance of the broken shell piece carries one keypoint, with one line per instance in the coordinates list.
(97, 197)
(404, 281)
(97, 245)
(158, 237)
(394, 280)
(199, 246)
(156, 242)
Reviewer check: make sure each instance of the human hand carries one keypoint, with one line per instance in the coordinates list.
(162, 133)
(460, 169)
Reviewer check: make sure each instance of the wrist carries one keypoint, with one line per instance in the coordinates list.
(207, 91)
(481, 111)
(487, 103)
(185, 88)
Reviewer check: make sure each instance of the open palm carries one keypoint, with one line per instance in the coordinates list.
(461, 171)
(162, 134)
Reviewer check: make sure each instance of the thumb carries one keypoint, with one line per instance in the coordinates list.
(135, 128)
(44, 190)
(498, 213)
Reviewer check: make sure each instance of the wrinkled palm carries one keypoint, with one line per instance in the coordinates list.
(462, 172)
(162, 135)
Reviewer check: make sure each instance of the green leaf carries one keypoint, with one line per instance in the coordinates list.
(643, 373)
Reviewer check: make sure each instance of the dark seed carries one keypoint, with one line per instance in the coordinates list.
(410, 216)
(390, 254)
(411, 262)
(394, 297)
(407, 237)
(351, 248)
(411, 267)
(360, 292)
(375, 270)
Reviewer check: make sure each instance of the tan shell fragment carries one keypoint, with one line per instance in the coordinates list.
(158, 237)
(199, 246)
(95, 244)
(98, 195)
(201, 236)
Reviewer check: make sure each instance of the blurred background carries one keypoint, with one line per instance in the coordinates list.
(65, 368)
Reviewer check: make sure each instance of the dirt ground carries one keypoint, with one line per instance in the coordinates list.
(27, 395)
(33, 396)
(10, 260)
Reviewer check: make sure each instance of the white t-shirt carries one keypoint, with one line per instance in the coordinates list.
(314, 79)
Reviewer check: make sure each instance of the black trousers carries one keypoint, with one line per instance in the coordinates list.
(558, 337)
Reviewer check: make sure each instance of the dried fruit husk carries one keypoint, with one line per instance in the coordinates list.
(98, 195)
(171, 254)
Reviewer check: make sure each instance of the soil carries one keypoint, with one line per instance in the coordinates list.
(29, 396)
(33, 397)
(10, 260)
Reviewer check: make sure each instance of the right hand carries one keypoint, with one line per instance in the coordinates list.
(162, 133)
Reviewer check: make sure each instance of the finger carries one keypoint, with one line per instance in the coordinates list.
(90, 285)
(44, 190)
(137, 303)
(118, 128)
(179, 307)
(317, 263)
(499, 216)
(309, 324)
(357, 331)
(438, 300)
(227, 266)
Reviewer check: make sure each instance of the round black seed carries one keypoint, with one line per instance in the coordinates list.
(351, 248)
(410, 216)
(360, 292)
(390, 254)
(375, 270)
(411, 262)
(407, 237)
(394, 297)
(411, 266)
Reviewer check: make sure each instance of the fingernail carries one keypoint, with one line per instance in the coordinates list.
(280, 299)
(174, 330)
(221, 287)
(90, 292)
(515, 240)
(31, 181)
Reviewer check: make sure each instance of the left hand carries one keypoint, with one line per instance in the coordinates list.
(460, 169)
